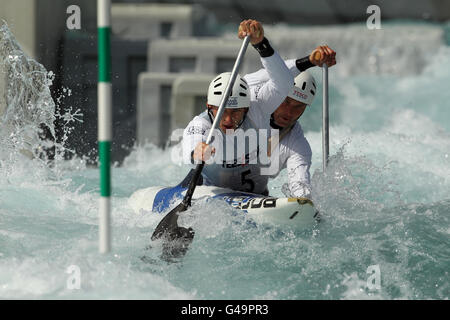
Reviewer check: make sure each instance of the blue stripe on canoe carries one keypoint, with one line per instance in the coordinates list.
(166, 196)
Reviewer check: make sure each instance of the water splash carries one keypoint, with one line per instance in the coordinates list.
(28, 114)
(384, 200)
(28, 106)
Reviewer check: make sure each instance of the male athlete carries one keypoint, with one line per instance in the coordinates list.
(294, 151)
(275, 104)
(236, 166)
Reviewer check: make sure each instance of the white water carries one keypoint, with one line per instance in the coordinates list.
(384, 201)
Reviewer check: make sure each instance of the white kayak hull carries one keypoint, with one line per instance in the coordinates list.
(293, 212)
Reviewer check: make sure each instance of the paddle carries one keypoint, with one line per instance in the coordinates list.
(325, 125)
(176, 239)
(325, 113)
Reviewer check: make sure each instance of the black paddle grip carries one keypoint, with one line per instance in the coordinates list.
(198, 171)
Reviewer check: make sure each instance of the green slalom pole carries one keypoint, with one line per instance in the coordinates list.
(104, 121)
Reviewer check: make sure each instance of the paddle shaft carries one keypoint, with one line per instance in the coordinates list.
(192, 184)
(198, 169)
(325, 131)
(224, 100)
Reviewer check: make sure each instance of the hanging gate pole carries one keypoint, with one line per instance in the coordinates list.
(104, 121)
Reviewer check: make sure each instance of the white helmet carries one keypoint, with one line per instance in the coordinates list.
(239, 96)
(304, 88)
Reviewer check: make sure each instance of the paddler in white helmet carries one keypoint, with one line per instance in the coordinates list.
(229, 168)
(294, 151)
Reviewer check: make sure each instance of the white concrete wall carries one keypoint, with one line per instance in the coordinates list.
(150, 124)
(145, 21)
(38, 25)
(2, 90)
(20, 15)
(325, 11)
(205, 50)
(185, 89)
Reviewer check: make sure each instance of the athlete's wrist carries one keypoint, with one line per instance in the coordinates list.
(303, 63)
(264, 48)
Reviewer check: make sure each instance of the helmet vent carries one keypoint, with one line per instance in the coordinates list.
(312, 92)
(218, 79)
(244, 87)
(242, 94)
(218, 93)
(304, 86)
(314, 85)
(218, 85)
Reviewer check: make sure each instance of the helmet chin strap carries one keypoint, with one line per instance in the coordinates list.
(276, 126)
(242, 121)
(273, 124)
(211, 117)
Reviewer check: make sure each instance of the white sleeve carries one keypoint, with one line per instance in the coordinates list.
(262, 76)
(292, 67)
(267, 95)
(195, 132)
(298, 164)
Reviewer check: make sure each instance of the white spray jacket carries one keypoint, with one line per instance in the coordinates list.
(241, 170)
(294, 150)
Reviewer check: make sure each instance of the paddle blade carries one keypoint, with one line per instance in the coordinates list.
(176, 239)
(176, 243)
(169, 222)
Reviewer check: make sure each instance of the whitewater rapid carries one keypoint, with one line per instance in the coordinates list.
(384, 200)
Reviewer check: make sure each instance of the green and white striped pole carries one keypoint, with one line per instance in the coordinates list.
(104, 121)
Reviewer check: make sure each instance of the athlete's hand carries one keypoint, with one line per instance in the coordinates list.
(321, 55)
(203, 152)
(252, 28)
